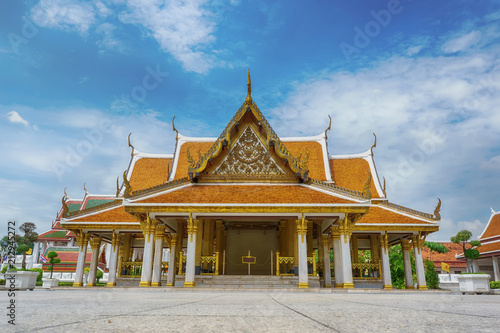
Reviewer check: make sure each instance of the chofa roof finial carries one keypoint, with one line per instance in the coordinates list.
(175, 129)
(248, 100)
(374, 144)
(130, 145)
(329, 127)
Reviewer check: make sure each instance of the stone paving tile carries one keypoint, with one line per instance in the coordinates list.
(162, 310)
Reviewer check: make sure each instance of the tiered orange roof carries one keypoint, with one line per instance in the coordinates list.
(493, 227)
(149, 172)
(352, 173)
(237, 194)
(117, 214)
(316, 160)
(194, 147)
(448, 257)
(380, 215)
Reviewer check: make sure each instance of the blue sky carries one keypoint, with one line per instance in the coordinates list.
(78, 76)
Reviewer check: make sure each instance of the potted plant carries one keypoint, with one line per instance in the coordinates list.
(50, 282)
(472, 281)
(19, 279)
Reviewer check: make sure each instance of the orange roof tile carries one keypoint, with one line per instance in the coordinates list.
(448, 256)
(245, 194)
(316, 162)
(149, 172)
(494, 246)
(117, 214)
(352, 174)
(194, 147)
(384, 216)
(493, 228)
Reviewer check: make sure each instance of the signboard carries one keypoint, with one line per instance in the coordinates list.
(248, 260)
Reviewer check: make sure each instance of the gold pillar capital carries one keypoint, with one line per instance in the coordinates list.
(159, 231)
(406, 245)
(302, 227)
(218, 224)
(115, 240)
(95, 242)
(82, 239)
(192, 227)
(384, 242)
(418, 241)
(173, 240)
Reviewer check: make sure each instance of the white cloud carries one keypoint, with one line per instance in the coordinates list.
(108, 42)
(181, 28)
(64, 15)
(491, 164)
(462, 43)
(16, 118)
(414, 50)
(83, 79)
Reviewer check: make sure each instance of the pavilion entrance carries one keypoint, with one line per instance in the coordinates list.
(258, 239)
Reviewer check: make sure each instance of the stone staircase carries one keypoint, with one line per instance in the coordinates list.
(233, 282)
(252, 282)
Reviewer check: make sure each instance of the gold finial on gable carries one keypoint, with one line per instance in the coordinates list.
(374, 144)
(329, 127)
(128, 188)
(248, 100)
(65, 208)
(117, 186)
(130, 145)
(85, 189)
(383, 190)
(437, 216)
(175, 129)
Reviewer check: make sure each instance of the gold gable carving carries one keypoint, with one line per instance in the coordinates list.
(248, 156)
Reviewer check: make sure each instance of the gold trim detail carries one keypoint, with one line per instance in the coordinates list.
(422, 287)
(144, 284)
(347, 285)
(437, 216)
(388, 287)
(189, 284)
(110, 284)
(156, 284)
(77, 284)
(303, 285)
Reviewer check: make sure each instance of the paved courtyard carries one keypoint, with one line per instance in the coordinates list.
(161, 310)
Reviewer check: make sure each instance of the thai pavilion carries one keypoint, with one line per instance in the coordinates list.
(250, 203)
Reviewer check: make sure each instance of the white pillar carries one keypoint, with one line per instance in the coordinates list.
(147, 258)
(327, 273)
(496, 270)
(386, 267)
(302, 251)
(419, 267)
(95, 244)
(191, 251)
(337, 258)
(346, 261)
(406, 247)
(171, 261)
(82, 240)
(113, 260)
(157, 265)
(36, 253)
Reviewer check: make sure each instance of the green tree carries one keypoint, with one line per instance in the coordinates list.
(52, 261)
(469, 247)
(431, 276)
(30, 235)
(397, 266)
(99, 275)
(23, 248)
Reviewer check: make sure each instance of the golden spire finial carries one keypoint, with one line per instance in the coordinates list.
(175, 129)
(85, 189)
(248, 100)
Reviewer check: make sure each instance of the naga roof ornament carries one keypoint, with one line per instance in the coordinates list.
(328, 128)
(437, 216)
(175, 129)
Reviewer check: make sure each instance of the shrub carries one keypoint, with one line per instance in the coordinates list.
(495, 284)
(431, 276)
(2, 282)
(65, 284)
(98, 275)
(40, 273)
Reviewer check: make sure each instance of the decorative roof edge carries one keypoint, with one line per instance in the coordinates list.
(493, 214)
(336, 189)
(115, 202)
(403, 209)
